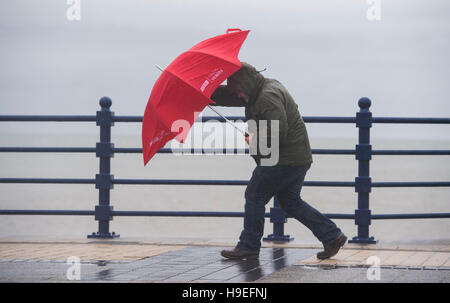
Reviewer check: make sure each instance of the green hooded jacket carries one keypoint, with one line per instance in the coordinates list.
(268, 100)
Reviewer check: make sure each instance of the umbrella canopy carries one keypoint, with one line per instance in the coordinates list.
(184, 88)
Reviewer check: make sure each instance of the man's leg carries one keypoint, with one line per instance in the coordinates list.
(258, 193)
(290, 201)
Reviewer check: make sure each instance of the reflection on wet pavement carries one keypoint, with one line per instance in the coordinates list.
(202, 264)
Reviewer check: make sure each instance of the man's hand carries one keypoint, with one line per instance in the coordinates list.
(249, 138)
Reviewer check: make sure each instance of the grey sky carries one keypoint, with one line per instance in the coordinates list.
(325, 52)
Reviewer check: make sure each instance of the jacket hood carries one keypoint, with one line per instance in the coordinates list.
(248, 80)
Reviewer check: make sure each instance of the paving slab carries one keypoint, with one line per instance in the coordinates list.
(126, 261)
(384, 258)
(149, 263)
(304, 274)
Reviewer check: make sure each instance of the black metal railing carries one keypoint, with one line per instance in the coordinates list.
(104, 181)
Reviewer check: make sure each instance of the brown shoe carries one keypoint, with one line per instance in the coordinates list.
(240, 253)
(332, 248)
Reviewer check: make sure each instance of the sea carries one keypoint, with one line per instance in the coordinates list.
(341, 200)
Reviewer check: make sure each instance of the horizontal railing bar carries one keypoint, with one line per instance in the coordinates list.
(411, 152)
(178, 182)
(226, 150)
(411, 216)
(411, 120)
(314, 151)
(47, 180)
(207, 214)
(127, 118)
(47, 212)
(220, 119)
(310, 119)
(338, 216)
(202, 151)
(305, 118)
(218, 182)
(180, 214)
(147, 213)
(333, 151)
(242, 118)
(214, 182)
(47, 118)
(315, 119)
(48, 149)
(137, 150)
(411, 184)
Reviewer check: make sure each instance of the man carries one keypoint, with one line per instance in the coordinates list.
(267, 99)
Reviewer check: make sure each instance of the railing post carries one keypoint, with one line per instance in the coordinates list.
(278, 218)
(103, 180)
(363, 182)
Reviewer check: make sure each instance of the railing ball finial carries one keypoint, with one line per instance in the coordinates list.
(105, 102)
(364, 103)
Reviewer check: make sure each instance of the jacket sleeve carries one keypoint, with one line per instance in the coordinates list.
(272, 109)
(223, 98)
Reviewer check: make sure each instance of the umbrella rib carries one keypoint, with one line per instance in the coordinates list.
(212, 55)
(195, 51)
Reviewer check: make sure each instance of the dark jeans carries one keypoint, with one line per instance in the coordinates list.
(285, 182)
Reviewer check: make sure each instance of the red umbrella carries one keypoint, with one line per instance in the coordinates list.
(185, 88)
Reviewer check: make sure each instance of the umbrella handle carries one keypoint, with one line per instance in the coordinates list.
(233, 30)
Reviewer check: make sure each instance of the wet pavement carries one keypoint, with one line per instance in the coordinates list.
(125, 261)
(190, 264)
(308, 274)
